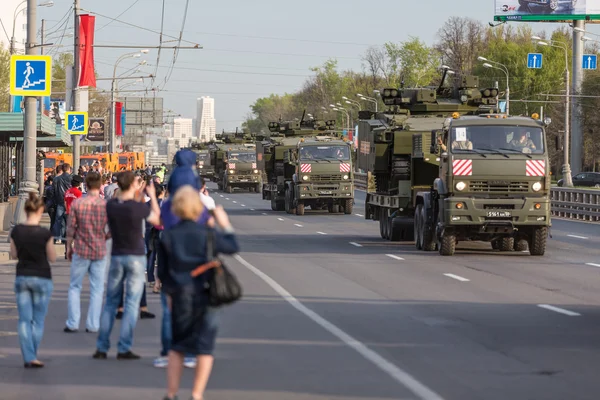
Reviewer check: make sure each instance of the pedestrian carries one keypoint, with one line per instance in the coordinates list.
(109, 190)
(32, 245)
(49, 199)
(70, 196)
(152, 234)
(194, 323)
(126, 216)
(87, 233)
(61, 184)
(105, 183)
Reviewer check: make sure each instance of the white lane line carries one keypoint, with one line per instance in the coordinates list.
(395, 372)
(458, 278)
(321, 233)
(355, 244)
(234, 202)
(243, 205)
(265, 214)
(221, 195)
(359, 215)
(559, 310)
(577, 237)
(395, 257)
(280, 219)
(593, 265)
(226, 198)
(298, 225)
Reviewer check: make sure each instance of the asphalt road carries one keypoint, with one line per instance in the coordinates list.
(333, 312)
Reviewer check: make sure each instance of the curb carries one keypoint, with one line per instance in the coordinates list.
(4, 256)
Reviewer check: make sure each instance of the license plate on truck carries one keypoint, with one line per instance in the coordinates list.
(325, 192)
(499, 214)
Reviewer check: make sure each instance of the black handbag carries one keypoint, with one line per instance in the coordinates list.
(223, 286)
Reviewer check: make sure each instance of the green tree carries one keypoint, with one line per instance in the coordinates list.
(4, 79)
(60, 64)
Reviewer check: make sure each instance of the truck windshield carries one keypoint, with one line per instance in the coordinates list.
(122, 160)
(324, 153)
(49, 162)
(88, 161)
(510, 139)
(242, 157)
(203, 156)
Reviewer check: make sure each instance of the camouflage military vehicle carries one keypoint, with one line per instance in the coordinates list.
(306, 164)
(203, 162)
(234, 161)
(448, 169)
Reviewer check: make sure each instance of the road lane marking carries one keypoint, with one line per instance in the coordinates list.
(252, 209)
(359, 215)
(593, 265)
(234, 202)
(221, 195)
(395, 372)
(395, 257)
(321, 233)
(298, 225)
(280, 219)
(226, 198)
(577, 237)
(559, 310)
(458, 278)
(243, 205)
(265, 214)
(355, 244)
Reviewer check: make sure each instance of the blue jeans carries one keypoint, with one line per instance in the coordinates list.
(59, 229)
(97, 271)
(33, 296)
(131, 270)
(165, 331)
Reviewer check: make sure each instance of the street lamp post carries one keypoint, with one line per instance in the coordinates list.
(113, 89)
(496, 65)
(566, 170)
(352, 102)
(13, 49)
(369, 99)
(344, 112)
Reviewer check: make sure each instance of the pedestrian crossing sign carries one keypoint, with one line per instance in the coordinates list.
(77, 122)
(30, 75)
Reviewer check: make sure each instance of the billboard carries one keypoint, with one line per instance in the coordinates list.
(96, 130)
(546, 10)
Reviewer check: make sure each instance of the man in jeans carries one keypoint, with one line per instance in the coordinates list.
(61, 184)
(128, 262)
(87, 234)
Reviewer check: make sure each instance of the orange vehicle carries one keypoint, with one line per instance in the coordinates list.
(131, 161)
(54, 159)
(108, 161)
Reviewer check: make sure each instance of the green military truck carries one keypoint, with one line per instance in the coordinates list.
(203, 162)
(447, 168)
(234, 161)
(306, 164)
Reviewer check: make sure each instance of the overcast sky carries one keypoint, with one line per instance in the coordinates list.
(253, 48)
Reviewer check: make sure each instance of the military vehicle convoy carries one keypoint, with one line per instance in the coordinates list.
(447, 168)
(203, 164)
(234, 162)
(306, 164)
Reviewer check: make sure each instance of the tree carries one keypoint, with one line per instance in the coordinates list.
(4, 79)
(419, 63)
(60, 64)
(460, 43)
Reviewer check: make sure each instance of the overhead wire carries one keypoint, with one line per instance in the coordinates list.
(176, 50)
(110, 22)
(162, 25)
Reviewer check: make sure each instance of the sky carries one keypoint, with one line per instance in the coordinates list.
(250, 48)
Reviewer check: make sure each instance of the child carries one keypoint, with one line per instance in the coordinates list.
(33, 246)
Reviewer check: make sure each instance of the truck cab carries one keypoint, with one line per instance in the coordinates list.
(241, 169)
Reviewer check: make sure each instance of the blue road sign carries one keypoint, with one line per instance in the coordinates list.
(589, 61)
(534, 60)
(30, 75)
(77, 122)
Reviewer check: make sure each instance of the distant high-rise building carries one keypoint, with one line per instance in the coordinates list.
(205, 119)
(182, 131)
(14, 10)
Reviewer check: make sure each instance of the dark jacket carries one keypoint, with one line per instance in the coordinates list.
(183, 248)
(61, 184)
(49, 196)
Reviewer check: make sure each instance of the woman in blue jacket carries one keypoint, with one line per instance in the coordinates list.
(182, 249)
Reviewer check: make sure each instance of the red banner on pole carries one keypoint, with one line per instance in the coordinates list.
(118, 112)
(86, 50)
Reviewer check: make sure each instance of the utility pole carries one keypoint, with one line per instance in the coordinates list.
(576, 129)
(76, 97)
(28, 184)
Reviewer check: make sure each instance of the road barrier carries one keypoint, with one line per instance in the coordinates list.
(576, 204)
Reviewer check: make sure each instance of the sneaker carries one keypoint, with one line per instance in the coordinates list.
(170, 398)
(69, 330)
(99, 355)
(189, 362)
(161, 362)
(128, 356)
(147, 315)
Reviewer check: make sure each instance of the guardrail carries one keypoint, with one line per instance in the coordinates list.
(575, 204)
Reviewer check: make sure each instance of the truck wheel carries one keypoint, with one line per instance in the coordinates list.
(258, 187)
(336, 208)
(537, 243)
(273, 205)
(418, 228)
(300, 208)
(229, 189)
(220, 186)
(348, 206)
(521, 245)
(288, 203)
(427, 238)
(448, 244)
(408, 233)
(495, 244)
(396, 229)
(384, 223)
(507, 244)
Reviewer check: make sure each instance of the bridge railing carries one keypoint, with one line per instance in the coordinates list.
(575, 204)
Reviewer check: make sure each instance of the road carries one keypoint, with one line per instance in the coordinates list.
(333, 312)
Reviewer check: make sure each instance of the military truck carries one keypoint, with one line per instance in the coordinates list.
(234, 161)
(448, 168)
(203, 162)
(307, 164)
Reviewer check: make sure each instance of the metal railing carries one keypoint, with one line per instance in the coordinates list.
(575, 204)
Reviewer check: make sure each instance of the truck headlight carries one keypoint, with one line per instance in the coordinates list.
(305, 178)
(256, 171)
(537, 186)
(231, 171)
(345, 177)
(460, 186)
(201, 166)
